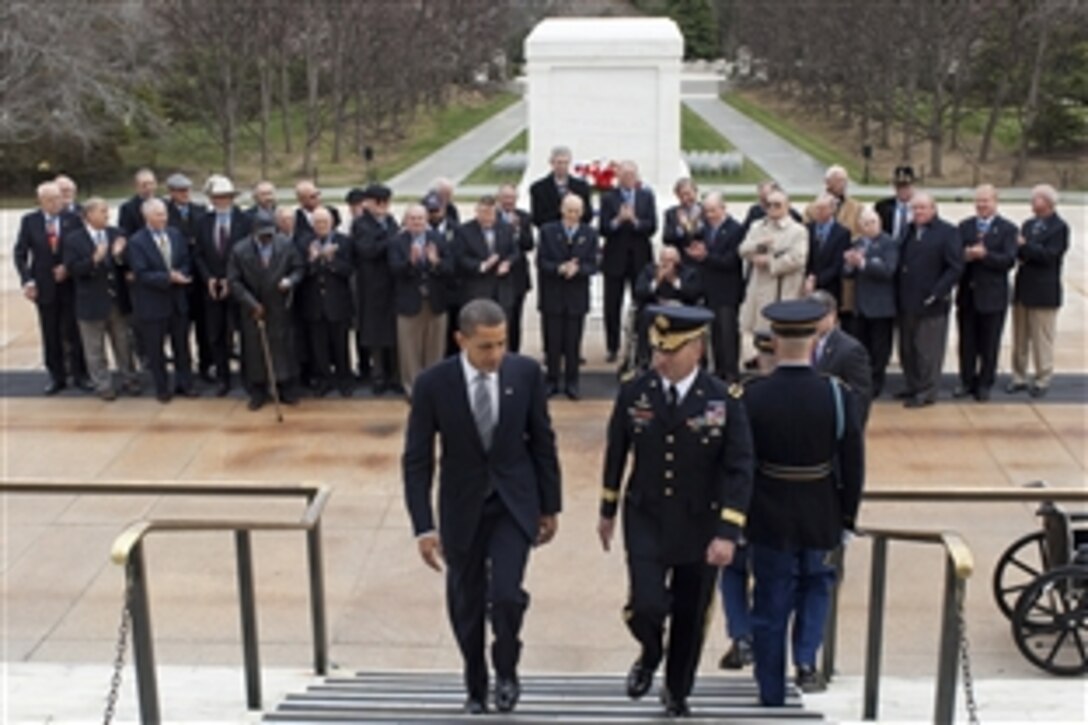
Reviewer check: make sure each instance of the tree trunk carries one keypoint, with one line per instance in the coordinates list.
(1031, 108)
(995, 115)
(313, 99)
(285, 100)
(957, 108)
(230, 118)
(264, 74)
(908, 116)
(936, 131)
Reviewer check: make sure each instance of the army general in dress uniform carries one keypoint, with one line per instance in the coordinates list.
(809, 450)
(685, 500)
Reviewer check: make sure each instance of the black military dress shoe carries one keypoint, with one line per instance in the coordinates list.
(475, 706)
(507, 693)
(809, 680)
(739, 655)
(639, 679)
(53, 388)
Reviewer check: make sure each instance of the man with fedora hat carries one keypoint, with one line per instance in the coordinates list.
(894, 211)
(685, 500)
(809, 469)
(218, 232)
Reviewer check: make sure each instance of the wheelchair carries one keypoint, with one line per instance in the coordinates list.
(1040, 584)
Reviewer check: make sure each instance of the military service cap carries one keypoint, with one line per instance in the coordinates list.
(672, 326)
(794, 318)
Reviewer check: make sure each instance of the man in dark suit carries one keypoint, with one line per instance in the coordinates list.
(376, 332)
(263, 273)
(443, 188)
(39, 260)
(69, 192)
(628, 222)
(521, 223)
(422, 263)
(566, 258)
(264, 198)
(872, 262)
(930, 264)
(309, 199)
(684, 221)
(218, 232)
(487, 252)
(668, 281)
(130, 216)
(94, 258)
(159, 258)
(185, 215)
(982, 296)
(828, 240)
(685, 500)
(894, 211)
(838, 353)
(715, 252)
(499, 491)
(327, 304)
(547, 193)
(1041, 247)
(809, 473)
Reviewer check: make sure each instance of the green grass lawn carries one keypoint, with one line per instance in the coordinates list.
(485, 175)
(189, 148)
(814, 147)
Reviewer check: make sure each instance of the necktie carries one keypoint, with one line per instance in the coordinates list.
(821, 234)
(51, 234)
(900, 220)
(983, 227)
(489, 237)
(673, 397)
(481, 410)
(100, 237)
(223, 235)
(164, 247)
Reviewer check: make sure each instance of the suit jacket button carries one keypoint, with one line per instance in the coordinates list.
(668, 456)
(668, 491)
(670, 438)
(668, 475)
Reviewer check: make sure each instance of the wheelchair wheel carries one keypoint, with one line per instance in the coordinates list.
(1050, 622)
(1022, 563)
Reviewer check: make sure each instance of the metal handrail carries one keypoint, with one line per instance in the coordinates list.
(128, 551)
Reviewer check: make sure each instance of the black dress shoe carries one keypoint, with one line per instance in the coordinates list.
(378, 388)
(610, 357)
(53, 388)
(507, 693)
(1037, 391)
(553, 390)
(475, 706)
(639, 679)
(572, 392)
(321, 390)
(982, 395)
(396, 389)
(1015, 387)
(739, 655)
(206, 376)
(257, 402)
(187, 392)
(809, 680)
(674, 706)
(84, 384)
(347, 390)
(962, 391)
(288, 397)
(223, 390)
(162, 397)
(918, 402)
(905, 395)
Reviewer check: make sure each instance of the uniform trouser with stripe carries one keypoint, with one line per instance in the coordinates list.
(680, 593)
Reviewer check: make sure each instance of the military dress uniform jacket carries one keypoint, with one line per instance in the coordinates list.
(809, 467)
(692, 474)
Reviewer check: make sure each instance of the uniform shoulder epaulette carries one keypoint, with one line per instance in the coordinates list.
(628, 375)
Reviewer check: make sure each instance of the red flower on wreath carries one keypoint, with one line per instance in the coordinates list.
(599, 174)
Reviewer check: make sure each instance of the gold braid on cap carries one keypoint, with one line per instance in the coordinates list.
(669, 341)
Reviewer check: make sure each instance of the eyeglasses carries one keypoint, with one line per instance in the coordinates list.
(775, 205)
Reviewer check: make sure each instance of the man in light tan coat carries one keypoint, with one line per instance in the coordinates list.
(776, 247)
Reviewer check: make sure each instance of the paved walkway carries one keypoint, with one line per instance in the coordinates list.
(460, 157)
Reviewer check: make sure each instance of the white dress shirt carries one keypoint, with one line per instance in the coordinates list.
(682, 386)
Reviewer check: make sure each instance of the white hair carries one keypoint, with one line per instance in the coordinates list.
(559, 151)
(714, 198)
(1046, 191)
(836, 171)
(152, 204)
(48, 188)
(868, 214)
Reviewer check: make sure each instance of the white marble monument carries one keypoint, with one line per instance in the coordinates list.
(608, 88)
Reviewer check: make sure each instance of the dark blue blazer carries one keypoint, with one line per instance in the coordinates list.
(929, 269)
(522, 466)
(557, 294)
(874, 285)
(413, 279)
(99, 285)
(630, 239)
(984, 286)
(545, 202)
(1039, 276)
(723, 269)
(825, 262)
(34, 260)
(326, 290)
(472, 252)
(154, 297)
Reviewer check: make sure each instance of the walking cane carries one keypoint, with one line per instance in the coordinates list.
(271, 369)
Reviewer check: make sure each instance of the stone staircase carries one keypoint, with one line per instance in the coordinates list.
(427, 697)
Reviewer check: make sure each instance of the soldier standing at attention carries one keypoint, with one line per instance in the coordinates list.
(685, 501)
(809, 470)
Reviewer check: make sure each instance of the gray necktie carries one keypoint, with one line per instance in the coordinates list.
(481, 410)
